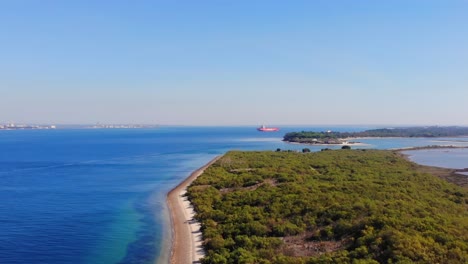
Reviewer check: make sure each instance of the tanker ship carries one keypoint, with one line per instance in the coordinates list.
(263, 128)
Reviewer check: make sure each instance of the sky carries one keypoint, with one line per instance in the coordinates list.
(234, 62)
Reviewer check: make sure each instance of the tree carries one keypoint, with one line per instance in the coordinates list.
(345, 147)
(304, 150)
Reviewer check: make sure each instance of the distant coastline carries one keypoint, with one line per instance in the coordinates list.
(13, 126)
(121, 126)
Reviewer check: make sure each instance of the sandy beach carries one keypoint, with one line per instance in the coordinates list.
(186, 235)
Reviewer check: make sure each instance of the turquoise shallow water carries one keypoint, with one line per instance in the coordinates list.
(98, 196)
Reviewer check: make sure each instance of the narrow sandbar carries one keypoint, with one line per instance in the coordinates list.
(186, 235)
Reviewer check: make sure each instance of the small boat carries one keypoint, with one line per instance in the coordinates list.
(263, 128)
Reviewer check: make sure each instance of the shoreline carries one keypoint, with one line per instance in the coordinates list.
(328, 144)
(451, 175)
(186, 235)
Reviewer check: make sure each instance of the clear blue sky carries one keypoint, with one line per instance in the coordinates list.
(234, 62)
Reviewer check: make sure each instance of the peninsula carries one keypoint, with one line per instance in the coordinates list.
(331, 137)
(339, 206)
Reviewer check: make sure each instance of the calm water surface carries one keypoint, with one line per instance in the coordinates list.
(98, 196)
(446, 158)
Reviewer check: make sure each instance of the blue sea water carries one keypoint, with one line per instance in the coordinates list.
(98, 195)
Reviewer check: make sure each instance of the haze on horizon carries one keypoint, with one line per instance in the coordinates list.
(234, 62)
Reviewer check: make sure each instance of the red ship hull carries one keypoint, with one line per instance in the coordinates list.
(268, 129)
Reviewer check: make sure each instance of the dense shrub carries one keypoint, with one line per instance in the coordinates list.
(375, 203)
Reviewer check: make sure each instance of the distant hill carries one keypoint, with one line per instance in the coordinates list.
(340, 206)
(337, 137)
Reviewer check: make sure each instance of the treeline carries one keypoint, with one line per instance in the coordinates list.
(312, 137)
(433, 131)
(341, 206)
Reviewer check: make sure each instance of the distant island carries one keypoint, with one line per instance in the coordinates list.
(331, 137)
(339, 206)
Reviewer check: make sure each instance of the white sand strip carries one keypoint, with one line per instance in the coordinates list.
(187, 240)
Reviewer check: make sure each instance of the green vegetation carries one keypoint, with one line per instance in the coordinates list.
(337, 206)
(336, 137)
(310, 137)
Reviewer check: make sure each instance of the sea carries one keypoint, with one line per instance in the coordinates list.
(99, 195)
